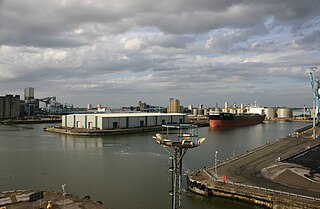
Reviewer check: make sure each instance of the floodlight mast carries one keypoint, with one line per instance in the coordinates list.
(180, 146)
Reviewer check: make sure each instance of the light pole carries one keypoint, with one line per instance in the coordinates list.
(183, 141)
(215, 163)
(314, 88)
(64, 195)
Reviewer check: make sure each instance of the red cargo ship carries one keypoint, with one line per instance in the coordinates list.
(233, 120)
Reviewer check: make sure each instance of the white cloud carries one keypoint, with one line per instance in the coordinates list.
(130, 49)
(133, 44)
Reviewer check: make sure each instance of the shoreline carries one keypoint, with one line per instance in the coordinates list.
(92, 132)
(30, 121)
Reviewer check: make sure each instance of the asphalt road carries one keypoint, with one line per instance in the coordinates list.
(247, 168)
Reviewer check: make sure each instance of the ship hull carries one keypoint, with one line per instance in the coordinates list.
(236, 121)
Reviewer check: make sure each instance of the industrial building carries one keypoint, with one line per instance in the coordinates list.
(107, 121)
(9, 106)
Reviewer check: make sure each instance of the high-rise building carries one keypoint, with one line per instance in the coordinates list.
(174, 106)
(28, 93)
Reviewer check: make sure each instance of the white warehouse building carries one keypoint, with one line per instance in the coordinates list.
(105, 121)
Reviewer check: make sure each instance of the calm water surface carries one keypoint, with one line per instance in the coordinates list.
(124, 172)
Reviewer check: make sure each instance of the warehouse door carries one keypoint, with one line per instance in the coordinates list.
(127, 122)
(115, 125)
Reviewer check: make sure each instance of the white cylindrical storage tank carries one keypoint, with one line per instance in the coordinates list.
(205, 111)
(284, 112)
(270, 112)
(195, 111)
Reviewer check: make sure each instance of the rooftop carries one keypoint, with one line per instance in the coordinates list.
(132, 114)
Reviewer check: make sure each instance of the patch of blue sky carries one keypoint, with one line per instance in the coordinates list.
(279, 34)
(211, 55)
(223, 31)
(311, 25)
(269, 21)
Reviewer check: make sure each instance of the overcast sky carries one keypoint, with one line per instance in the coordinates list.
(117, 52)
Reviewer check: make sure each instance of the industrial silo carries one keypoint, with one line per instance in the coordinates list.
(195, 111)
(270, 112)
(226, 107)
(284, 112)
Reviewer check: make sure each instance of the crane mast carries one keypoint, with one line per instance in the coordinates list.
(315, 85)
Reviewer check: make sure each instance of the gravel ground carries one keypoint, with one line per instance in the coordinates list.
(310, 160)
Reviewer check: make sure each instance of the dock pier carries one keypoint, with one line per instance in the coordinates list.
(264, 176)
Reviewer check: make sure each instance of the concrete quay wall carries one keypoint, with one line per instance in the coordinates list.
(198, 183)
(246, 180)
(92, 132)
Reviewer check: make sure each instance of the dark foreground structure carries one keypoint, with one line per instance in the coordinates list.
(271, 175)
(26, 199)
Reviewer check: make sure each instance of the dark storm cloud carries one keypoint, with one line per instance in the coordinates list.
(169, 16)
(35, 40)
(191, 18)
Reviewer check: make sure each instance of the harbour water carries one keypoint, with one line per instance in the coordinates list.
(125, 171)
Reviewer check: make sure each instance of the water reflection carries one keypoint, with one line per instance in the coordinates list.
(6, 128)
(75, 143)
(129, 171)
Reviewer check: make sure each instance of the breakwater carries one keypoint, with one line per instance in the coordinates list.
(262, 176)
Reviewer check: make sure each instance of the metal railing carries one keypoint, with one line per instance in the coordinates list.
(228, 160)
(260, 188)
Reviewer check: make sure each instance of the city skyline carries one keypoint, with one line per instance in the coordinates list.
(115, 54)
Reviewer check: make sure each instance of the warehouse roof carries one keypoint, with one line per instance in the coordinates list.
(132, 114)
